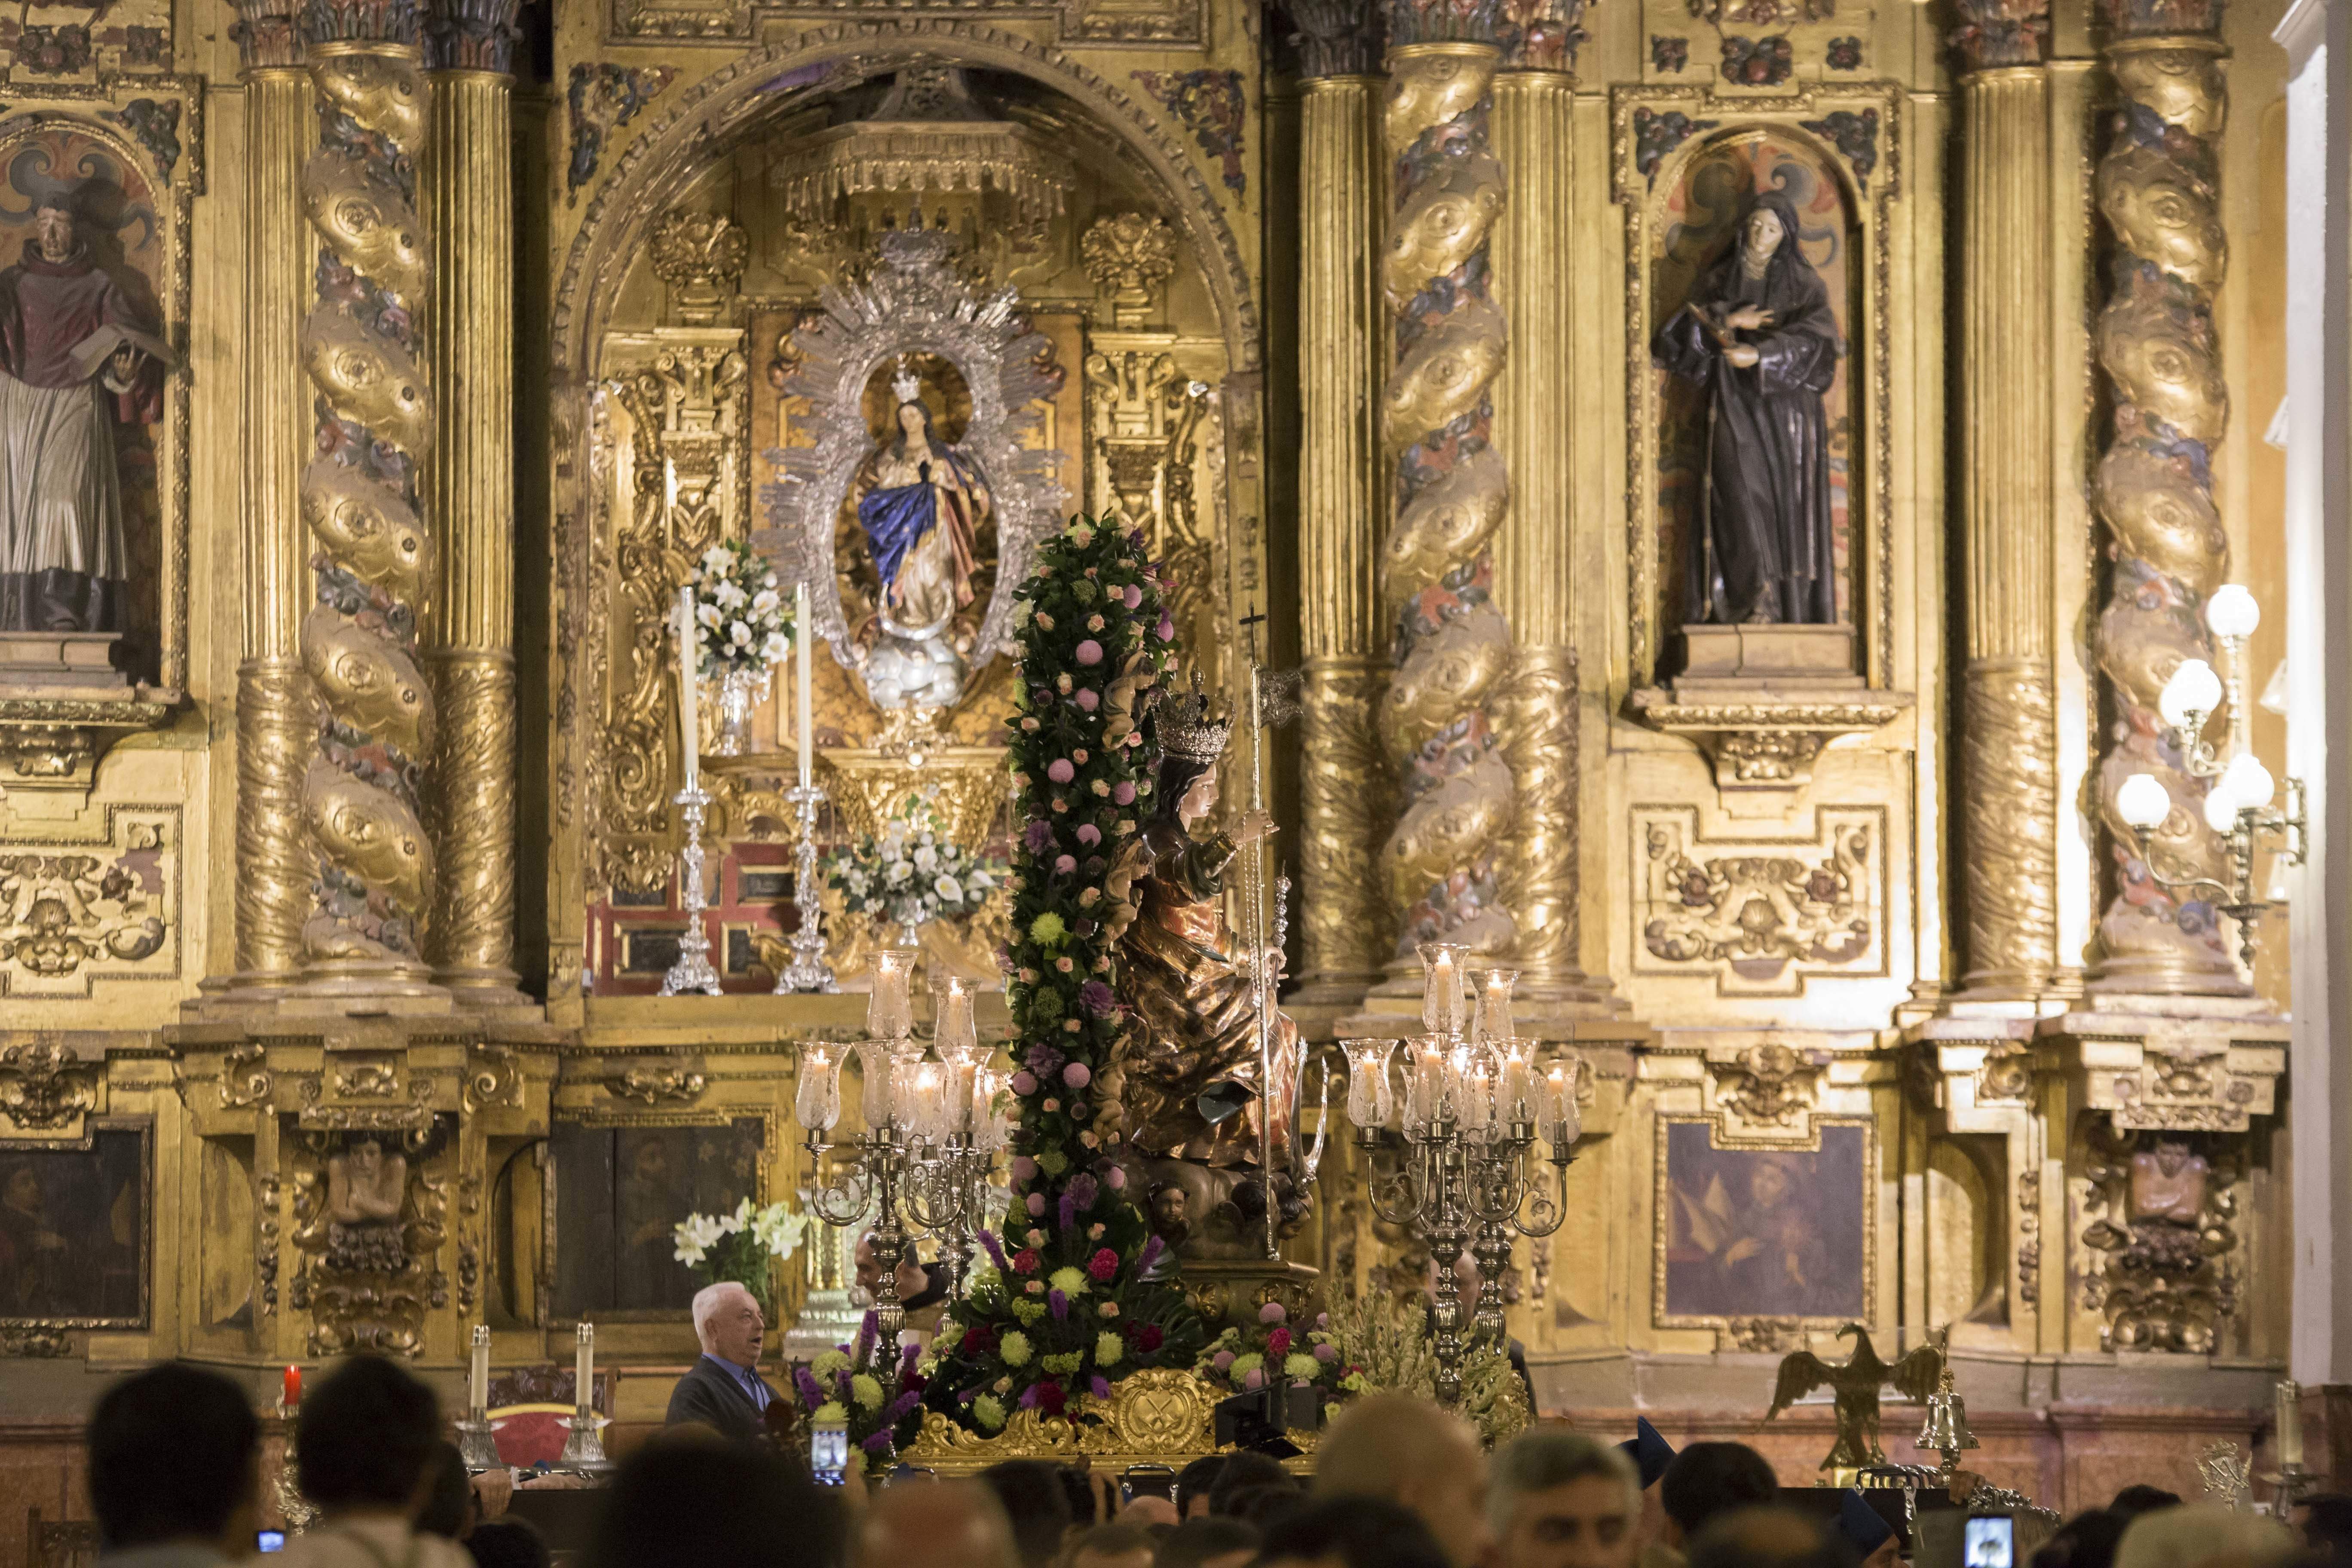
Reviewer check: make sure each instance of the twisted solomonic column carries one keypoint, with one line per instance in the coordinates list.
(2156, 186)
(372, 561)
(1451, 486)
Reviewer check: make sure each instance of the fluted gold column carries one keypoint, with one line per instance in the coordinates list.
(1345, 924)
(2157, 343)
(2007, 743)
(274, 724)
(1452, 485)
(470, 203)
(1536, 709)
(373, 566)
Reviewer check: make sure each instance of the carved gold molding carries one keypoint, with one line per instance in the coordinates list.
(1761, 916)
(78, 910)
(1767, 746)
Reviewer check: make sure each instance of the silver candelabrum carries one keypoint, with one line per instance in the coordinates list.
(693, 971)
(808, 971)
(931, 1137)
(1459, 1173)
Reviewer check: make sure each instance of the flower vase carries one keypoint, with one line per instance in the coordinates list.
(909, 933)
(734, 712)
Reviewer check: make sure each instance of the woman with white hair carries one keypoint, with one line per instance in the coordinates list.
(2201, 1533)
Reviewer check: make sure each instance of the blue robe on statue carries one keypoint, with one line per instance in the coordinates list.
(895, 521)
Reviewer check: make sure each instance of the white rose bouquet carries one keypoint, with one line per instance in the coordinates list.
(743, 620)
(912, 873)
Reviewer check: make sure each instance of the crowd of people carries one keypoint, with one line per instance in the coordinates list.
(175, 1481)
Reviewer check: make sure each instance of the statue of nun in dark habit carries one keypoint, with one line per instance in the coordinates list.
(1758, 334)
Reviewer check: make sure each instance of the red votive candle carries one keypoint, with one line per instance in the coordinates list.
(293, 1389)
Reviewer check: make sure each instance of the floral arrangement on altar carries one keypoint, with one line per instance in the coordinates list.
(743, 621)
(741, 1246)
(875, 1389)
(1240, 1361)
(1071, 1308)
(912, 873)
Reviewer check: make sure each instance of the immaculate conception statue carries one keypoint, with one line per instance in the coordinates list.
(1759, 334)
(921, 504)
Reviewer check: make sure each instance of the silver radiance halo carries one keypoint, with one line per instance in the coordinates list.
(912, 303)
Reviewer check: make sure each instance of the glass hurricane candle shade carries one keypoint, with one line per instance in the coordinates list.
(816, 1100)
(889, 1011)
(1444, 1005)
(875, 1069)
(1494, 1026)
(1370, 1101)
(737, 686)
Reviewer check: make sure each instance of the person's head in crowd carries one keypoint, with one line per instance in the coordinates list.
(1193, 1484)
(1207, 1543)
(1711, 1478)
(1111, 1546)
(364, 1440)
(1865, 1529)
(1352, 1532)
(727, 1321)
(1558, 1499)
(444, 1505)
(2087, 1540)
(1769, 1538)
(1259, 1507)
(175, 1458)
(2190, 1534)
(2133, 1501)
(956, 1522)
(1246, 1471)
(1032, 1495)
(507, 1543)
(913, 1279)
(2325, 1520)
(1149, 1510)
(1410, 1452)
(710, 1504)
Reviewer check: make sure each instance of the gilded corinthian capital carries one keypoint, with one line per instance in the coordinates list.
(1336, 38)
(471, 34)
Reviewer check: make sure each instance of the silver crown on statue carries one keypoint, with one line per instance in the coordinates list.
(907, 386)
(1187, 730)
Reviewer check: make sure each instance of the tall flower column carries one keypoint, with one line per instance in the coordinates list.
(2156, 186)
(1344, 912)
(469, 193)
(274, 727)
(2009, 740)
(372, 561)
(1451, 487)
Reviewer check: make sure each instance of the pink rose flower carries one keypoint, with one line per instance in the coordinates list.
(1090, 651)
(1088, 698)
(1060, 771)
(1065, 864)
(1077, 1075)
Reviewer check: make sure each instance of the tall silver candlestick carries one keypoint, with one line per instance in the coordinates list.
(692, 971)
(808, 971)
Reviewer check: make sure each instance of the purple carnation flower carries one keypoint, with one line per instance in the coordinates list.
(996, 1253)
(1083, 1191)
(1029, 1397)
(1042, 1061)
(1101, 1386)
(1058, 1303)
(1037, 836)
(1096, 997)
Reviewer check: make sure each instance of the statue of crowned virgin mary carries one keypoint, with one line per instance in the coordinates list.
(921, 505)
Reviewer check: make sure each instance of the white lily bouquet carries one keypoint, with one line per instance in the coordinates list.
(741, 1246)
(744, 621)
(912, 873)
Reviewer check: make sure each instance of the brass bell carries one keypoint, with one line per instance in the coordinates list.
(1946, 1432)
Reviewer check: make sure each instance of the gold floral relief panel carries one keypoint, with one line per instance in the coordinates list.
(1760, 915)
(1683, 162)
(79, 910)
